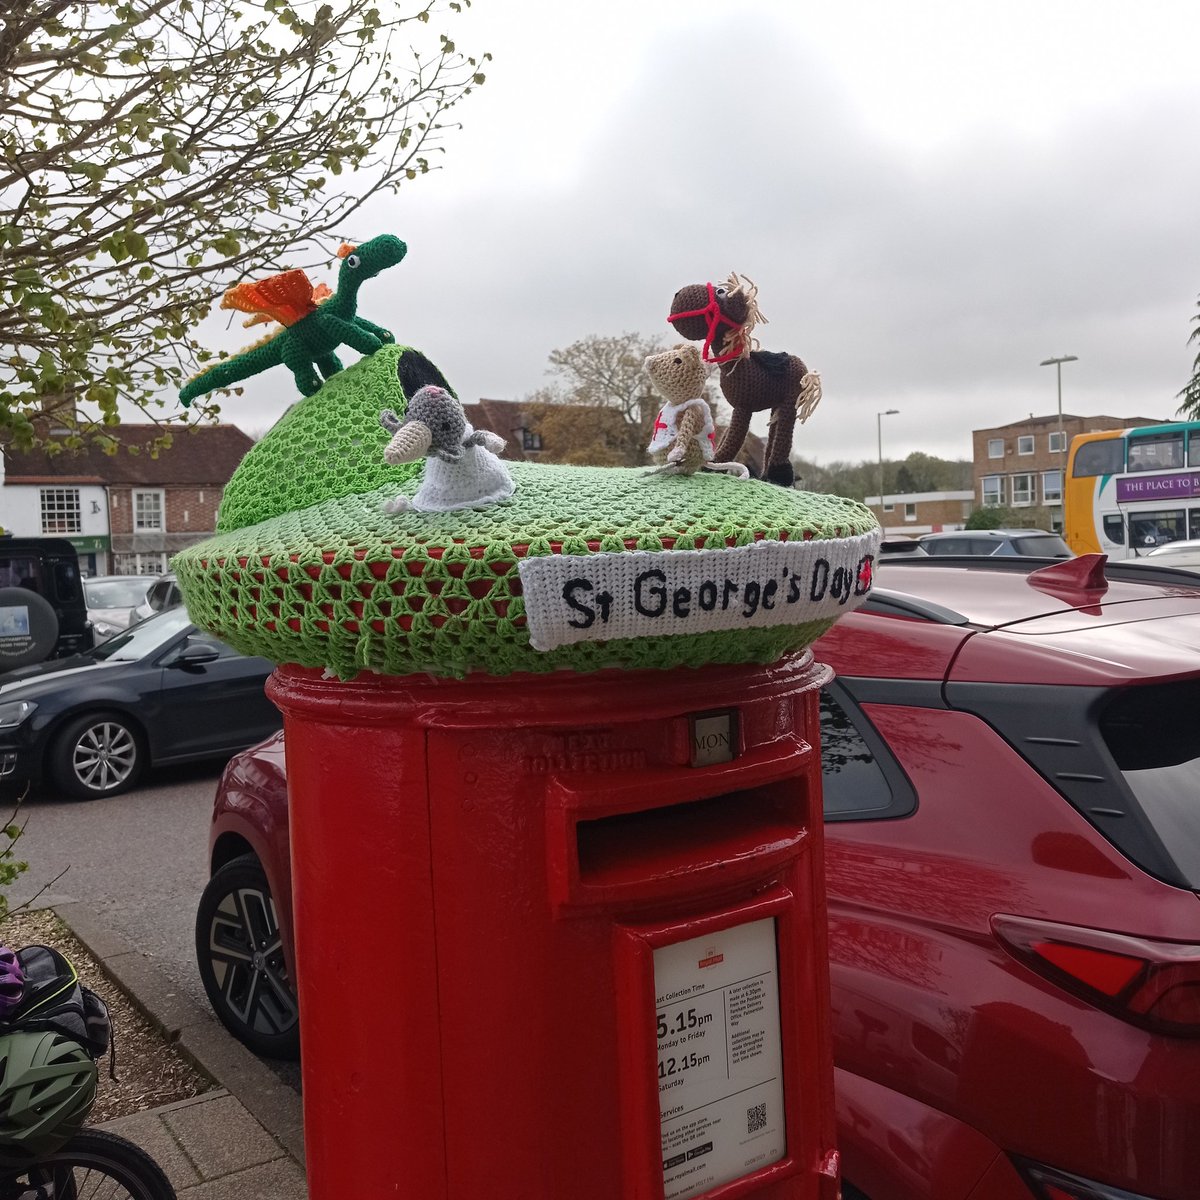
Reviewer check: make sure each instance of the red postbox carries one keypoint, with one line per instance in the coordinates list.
(555, 811)
(561, 936)
(555, 823)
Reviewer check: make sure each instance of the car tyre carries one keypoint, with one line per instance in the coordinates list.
(239, 950)
(97, 754)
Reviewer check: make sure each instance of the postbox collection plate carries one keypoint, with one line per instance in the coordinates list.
(714, 737)
(720, 1061)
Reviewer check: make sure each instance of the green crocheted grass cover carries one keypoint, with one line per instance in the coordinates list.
(341, 584)
(325, 446)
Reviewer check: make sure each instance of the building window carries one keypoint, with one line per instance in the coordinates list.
(1022, 490)
(1025, 444)
(995, 447)
(1056, 443)
(993, 489)
(910, 512)
(139, 564)
(1051, 487)
(148, 511)
(60, 510)
(889, 508)
(530, 440)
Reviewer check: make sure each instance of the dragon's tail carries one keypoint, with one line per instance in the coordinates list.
(252, 361)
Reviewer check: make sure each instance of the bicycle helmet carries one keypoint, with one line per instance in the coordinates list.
(12, 981)
(47, 1087)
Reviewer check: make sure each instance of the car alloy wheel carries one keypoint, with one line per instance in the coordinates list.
(97, 755)
(239, 951)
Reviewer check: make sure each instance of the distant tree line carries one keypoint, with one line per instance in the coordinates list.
(919, 472)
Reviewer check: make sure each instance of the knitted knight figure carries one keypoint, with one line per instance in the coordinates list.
(461, 467)
(684, 426)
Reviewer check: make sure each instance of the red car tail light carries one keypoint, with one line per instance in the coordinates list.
(1149, 983)
(1050, 1184)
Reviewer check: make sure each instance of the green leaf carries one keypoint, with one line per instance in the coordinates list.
(227, 244)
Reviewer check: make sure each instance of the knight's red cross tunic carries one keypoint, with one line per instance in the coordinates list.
(666, 427)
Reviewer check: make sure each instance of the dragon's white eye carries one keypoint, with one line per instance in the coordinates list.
(352, 260)
(720, 292)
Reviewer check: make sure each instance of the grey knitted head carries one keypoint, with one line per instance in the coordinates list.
(443, 416)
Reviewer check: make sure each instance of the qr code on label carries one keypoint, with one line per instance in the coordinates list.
(756, 1118)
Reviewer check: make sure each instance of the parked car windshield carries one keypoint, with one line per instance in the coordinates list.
(145, 637)
(1153, 735)
(115, 593)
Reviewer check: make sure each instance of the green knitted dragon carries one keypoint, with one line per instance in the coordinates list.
(315, 322)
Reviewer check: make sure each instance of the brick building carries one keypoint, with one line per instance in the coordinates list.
(125, 513)
(1020, 465)
(922, 512)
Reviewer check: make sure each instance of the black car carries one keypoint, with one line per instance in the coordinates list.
(43, 610)
(161, 692)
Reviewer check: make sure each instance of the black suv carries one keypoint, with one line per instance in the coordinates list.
(43, 611)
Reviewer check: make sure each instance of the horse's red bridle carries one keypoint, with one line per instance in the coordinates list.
(713, 315)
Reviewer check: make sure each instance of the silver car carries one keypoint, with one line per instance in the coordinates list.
(110, 600)
(162, 594)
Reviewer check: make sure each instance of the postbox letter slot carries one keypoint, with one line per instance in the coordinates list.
(643, 851)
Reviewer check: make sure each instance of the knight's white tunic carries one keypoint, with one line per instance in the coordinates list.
(666, 427)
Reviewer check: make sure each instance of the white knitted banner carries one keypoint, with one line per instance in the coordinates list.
(644, 593)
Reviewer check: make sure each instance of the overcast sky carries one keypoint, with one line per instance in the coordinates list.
(931, 196)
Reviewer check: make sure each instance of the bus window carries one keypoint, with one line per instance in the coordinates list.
(1114, 528)
(1103, 457)
(1194, 448)
(1194, 521)
(1158, 452)
(1150, 529)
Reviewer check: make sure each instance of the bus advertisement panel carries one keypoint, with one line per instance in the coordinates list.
(1129, 491)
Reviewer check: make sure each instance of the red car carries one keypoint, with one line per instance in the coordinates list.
(1011, 756)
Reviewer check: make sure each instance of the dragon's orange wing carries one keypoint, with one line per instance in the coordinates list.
(284, 298)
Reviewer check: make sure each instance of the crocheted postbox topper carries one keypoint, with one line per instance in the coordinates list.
(582, 568)
(407, 546)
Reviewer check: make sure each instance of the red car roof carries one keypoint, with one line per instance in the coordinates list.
(1078, 622)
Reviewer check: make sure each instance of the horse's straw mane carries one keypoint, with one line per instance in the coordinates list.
(742, 338)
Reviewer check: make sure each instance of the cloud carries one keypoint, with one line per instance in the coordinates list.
(930, 275)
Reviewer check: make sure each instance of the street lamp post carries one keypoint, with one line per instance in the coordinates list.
(879, 434)
(1057, 363)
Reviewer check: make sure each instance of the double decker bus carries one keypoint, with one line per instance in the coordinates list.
(1130, 490)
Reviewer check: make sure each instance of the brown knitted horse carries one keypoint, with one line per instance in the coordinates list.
(752, 380)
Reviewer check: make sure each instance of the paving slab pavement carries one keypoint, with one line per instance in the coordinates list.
(212, 1149)
(243, 1138)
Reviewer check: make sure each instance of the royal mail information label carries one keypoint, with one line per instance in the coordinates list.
(642, 593)
(720, 1064)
